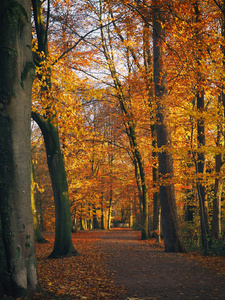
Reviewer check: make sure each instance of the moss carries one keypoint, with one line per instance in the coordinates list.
(28, 69)
(28, 242)
(16, 13)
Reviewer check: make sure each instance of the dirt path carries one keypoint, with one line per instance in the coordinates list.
(146, 272)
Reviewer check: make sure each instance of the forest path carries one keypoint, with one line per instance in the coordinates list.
(147, 272)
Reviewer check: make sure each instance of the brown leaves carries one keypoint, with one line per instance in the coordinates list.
(76, 277)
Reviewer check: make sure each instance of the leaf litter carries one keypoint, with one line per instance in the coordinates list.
(76, 277)
(86, 276)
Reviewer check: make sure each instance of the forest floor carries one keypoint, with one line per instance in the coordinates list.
(116, 264)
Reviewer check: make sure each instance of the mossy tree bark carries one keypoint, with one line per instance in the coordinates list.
(18, 274)
(171, 231)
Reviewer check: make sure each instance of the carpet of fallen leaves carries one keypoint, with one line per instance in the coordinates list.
(86, 276)
(213, 262)
(76, 277)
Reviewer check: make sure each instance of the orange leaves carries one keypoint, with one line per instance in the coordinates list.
(76, 277)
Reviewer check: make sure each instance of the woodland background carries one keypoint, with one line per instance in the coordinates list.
(100, 52)
(128, 109)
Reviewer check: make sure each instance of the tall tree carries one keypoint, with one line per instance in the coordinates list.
(218, 188)
(200, 164)
(48, 124)
(171, 231)
(18, 272)
(124, 98)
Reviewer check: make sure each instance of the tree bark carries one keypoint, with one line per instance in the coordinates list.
(203, 203)
(110, 209)
(218, 188)
(171, 231)
(200, 164)
(63, 242)
(18, 273)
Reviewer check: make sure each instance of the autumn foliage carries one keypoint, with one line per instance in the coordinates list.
(102, 87)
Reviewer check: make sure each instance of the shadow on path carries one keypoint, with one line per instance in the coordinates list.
(146, 272)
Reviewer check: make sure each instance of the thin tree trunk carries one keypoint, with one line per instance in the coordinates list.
(128, 123)
(110, 209)
(200, 165)
(131, 216)
(18, 273)
(156, 198)
(102, 214)
(218, 187)
(171, 231)
(95, 219)
(148, 63)
(203, 203)
(216, 221)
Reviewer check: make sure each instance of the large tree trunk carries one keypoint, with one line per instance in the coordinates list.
(63, 242)
(17, 246)
(171, 231)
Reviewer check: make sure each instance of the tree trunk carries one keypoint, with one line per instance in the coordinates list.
(110, 209)
(200, 164)
(129, 126)
(218, 188)
(156, 198)
(131, 216)
(17, 246)
(102, 215)
(203, 203)
(95, 219)
(37, 233)
(63, 242)
(171, 230)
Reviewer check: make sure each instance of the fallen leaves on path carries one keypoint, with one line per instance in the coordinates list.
(212, 262)
(86, 276)
(75, 277)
